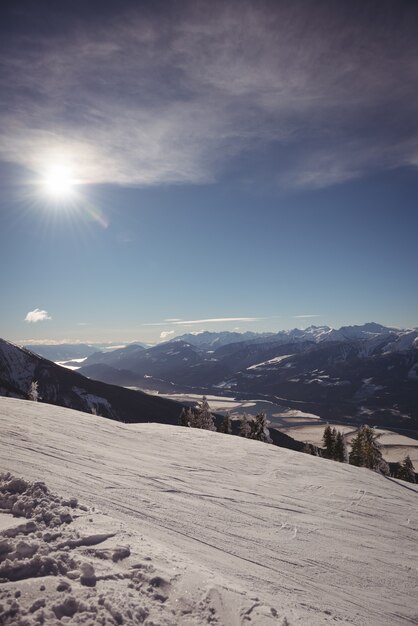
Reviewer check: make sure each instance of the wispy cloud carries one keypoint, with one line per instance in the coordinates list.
(37, 315)
(216, 320)
(209, 320)
(304, 316)
(166, 333)
(142, 100)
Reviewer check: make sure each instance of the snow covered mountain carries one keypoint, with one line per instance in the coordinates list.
(164, 365)
(212, 340)
(20, 367)
(402, 339)
(367, 373)
(362, 380)
(121, 355)
(155, 524)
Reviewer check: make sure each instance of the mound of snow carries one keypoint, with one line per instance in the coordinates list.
(183, 526)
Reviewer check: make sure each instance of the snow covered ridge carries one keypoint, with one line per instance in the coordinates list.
(398, 339)
(209, 528)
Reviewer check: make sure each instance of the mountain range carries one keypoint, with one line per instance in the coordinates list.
(367, 373)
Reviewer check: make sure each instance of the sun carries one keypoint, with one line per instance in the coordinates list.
(59, 182)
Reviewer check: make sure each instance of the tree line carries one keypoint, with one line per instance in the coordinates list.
(201, 417)
(365, 446)
(365, 452)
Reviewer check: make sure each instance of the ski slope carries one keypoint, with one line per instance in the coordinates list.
(210, 528)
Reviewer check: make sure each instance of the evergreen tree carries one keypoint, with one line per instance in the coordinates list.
(191, 418)
(245, 428)
(340, 449)
(366, 451)
(183, 418)
(407, 470)
(310, 448)
(373, 453)
(33, 393)
(259, 430)
(329, 440)
(356, 456)
(226, 425)
(187, 418)
(203, 418)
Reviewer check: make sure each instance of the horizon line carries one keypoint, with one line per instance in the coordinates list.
(57, 342)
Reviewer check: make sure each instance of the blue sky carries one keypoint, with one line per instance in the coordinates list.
(249, 163)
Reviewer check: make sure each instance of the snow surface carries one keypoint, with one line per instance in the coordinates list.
(163, 525)
(404, 341)
(276, 360)
(69, 363)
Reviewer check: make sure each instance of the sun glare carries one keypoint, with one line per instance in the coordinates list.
(59, 183)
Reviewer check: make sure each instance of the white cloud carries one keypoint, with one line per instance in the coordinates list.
(305, 316)
(166, 333)
(37, 315)
(209, 320)
(215, 320)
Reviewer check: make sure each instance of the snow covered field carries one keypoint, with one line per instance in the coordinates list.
(278, 415)
(217, 403)
(180, 526)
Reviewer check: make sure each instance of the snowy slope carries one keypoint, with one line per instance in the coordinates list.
(210, 528)
(17, 365)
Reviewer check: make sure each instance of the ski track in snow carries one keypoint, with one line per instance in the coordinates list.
(214, 529)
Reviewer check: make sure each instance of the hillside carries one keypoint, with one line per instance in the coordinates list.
(57, 385)
(183, 526)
